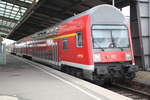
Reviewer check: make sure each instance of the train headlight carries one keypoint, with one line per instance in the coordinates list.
(96, 57)
(128, 56)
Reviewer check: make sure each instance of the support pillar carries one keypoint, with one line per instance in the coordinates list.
(140, 28)
(2, 54)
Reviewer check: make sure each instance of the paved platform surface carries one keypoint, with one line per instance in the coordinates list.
(26, 80)
(143, 77)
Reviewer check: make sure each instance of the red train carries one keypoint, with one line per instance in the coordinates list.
(96, 44)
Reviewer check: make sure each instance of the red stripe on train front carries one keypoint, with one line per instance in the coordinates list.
(113, 56)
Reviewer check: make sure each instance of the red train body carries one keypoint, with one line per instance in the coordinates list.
(97, 42)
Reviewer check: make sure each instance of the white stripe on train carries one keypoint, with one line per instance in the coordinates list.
(76, 65)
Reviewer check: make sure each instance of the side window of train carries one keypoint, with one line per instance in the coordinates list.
(65, 43)
(79, 40)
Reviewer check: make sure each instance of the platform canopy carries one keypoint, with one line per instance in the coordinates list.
(20, 18)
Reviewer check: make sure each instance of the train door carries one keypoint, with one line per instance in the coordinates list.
(55, 53)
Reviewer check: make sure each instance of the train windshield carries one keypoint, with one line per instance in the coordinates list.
(110, 36)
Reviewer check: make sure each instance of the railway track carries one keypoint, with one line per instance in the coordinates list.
(129, 92)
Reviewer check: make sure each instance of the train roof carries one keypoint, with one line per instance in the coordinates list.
(103, 12)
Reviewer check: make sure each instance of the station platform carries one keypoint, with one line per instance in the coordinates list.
(21, 79)
(143, 77)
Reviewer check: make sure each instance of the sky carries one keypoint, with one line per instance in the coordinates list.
(125, 11)
(8, 41)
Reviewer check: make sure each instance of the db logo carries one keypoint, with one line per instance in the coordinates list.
(113, 56)
(80, 55)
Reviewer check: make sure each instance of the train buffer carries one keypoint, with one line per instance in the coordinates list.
(27, 80)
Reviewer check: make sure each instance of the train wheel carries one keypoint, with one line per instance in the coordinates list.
(98, 80)
(129, 76)
(79, 74)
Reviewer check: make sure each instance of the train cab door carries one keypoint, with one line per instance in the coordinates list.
(55, 53)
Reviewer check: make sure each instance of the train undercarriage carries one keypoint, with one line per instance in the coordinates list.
(104, 73)
(114, 72)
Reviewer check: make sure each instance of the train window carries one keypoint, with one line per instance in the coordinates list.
(65, 43)
(79, 40)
